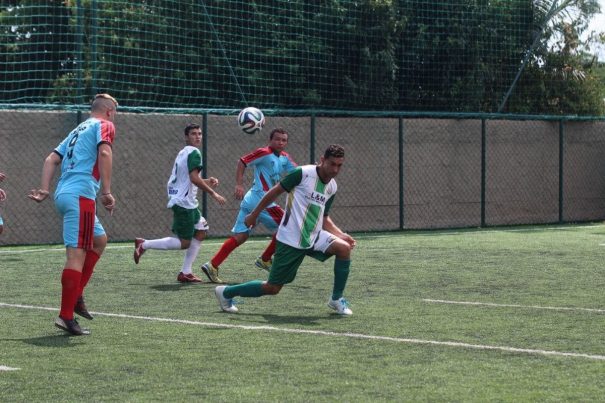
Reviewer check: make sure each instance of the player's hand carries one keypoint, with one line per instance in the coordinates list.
(239, 192)
(2, 176)
(2, 195)
(349, 239)
(38, 195)
(213, 181)
(250, 221)
(108, 202)
(219, 199)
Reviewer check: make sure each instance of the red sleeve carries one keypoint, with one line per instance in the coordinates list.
(259, 152)
(108, 132)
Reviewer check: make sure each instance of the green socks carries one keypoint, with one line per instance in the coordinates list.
(341, 274)
(249, 289)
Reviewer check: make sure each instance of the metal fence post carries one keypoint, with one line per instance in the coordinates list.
(561, 154)
(401, 176)
(483, 168)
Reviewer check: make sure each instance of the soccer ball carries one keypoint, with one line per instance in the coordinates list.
(251, 120)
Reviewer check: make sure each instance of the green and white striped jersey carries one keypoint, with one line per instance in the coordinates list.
(181, 191)
(309, 200)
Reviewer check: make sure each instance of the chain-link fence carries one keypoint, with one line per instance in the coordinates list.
(399, 173)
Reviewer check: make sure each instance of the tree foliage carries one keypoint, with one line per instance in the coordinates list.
(452, 56)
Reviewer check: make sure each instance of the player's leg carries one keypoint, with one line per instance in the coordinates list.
(180, 223)
(90, 262)
(78, 233)
(200, 230)
(270, 218)
(329, 245)
(285, 266)
(240, 236)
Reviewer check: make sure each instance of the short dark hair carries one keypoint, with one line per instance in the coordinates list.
(280, 130)
(190, 127)
(334, 150)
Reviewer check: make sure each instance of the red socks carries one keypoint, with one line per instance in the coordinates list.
(70, 280)
(268, 253)
(89, 266)
(228, 246)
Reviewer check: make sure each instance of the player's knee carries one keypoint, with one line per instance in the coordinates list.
(271, 289)
(342, 250)
(185, 243)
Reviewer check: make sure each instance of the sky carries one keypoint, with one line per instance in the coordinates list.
(598, 24)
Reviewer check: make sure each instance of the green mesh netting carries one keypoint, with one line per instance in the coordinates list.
(455, 55)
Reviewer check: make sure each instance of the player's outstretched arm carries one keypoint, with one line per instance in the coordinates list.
(206, 185)
(239, 180)
(48, 171)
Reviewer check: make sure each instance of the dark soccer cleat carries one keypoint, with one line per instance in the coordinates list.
(138, 249)
(70, 326)
(81, 310)
(188, 278)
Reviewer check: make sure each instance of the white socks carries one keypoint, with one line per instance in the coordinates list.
(190, 255)
(163, 243)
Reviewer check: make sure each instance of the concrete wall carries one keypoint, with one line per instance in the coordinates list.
(441, 161)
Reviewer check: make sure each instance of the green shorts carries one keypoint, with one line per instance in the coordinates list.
(184, 221)
(287, 260)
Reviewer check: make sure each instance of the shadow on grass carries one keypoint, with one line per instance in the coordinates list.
(56, 340)
(179, 286)
(287, 319)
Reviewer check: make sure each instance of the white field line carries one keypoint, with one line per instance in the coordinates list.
(551, 308)
(335, 334)
(5, 368)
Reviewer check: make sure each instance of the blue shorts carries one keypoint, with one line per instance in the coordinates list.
(80, 222)
(269, 217)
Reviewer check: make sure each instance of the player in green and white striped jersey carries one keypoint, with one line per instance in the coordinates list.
(305, 230)
(188, 225)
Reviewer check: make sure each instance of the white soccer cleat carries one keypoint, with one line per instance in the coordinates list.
(226, 304)
(341, 306)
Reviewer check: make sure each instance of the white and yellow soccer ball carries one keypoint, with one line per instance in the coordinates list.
(251, 120)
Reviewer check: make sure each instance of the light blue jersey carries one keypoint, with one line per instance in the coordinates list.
(78, 152)
(269, 168)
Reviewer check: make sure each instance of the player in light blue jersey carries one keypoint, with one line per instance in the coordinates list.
(85, 157)
(270, 164)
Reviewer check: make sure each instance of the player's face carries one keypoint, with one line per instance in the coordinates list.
(194, 138)
(330, 167)
(279, 141)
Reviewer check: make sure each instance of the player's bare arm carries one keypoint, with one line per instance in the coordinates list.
(333, 229)
(48, 171)
(239, 180)
(205, 185)
(105, 158)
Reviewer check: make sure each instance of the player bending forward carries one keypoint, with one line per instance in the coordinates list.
(305, 230)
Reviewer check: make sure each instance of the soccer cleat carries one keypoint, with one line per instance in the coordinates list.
(226, 304)
(138, 249)
(70, 326)
(263, 265)
(81, 310)
(188, 278)
(212, 273)
(341, 306)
